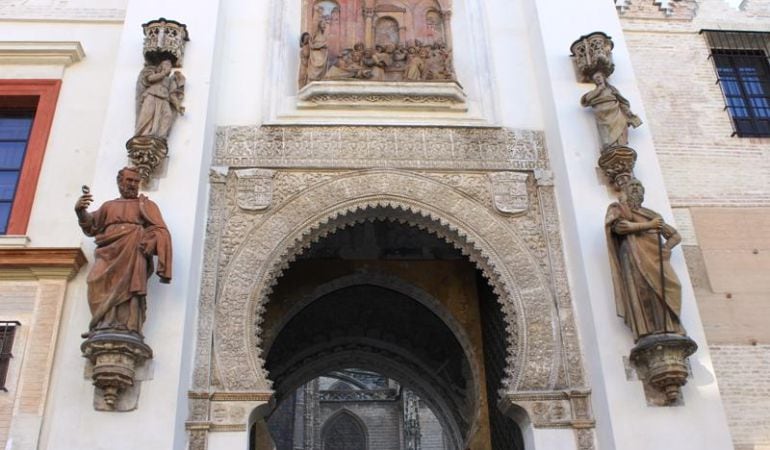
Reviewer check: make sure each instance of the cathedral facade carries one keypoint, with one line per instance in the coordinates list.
(384, 224)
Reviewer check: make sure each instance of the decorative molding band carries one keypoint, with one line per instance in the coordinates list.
(398, 147)
(37, 263)
(373, 95)
(61, 14)
(259, 396)
(197, 426)
(232, 428)
(379, 395)
(198, 395)
(13, 241)
(58, 53)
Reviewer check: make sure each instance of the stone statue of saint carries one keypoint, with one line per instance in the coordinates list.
(319, 54)
(612, 110)
(159, 95)
(129, 231)
(647, 290)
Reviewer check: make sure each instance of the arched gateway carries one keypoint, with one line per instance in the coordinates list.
(532, 359)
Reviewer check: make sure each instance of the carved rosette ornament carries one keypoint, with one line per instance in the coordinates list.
(159, 94)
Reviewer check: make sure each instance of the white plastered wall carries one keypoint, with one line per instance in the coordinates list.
(180, 191)
(624, 421)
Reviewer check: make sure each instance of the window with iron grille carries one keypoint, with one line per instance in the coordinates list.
(743, 73)
(7, 333)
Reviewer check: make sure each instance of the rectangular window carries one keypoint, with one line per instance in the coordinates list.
(15, 127)
(741, 62)
(7, 333)
(26, 115)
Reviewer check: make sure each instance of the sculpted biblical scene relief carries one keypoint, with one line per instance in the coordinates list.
(376, 40)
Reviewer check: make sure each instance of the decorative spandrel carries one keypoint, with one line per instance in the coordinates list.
(376, 40)
(159, 94)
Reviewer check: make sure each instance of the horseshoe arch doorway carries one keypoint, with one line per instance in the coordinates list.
(384, 301)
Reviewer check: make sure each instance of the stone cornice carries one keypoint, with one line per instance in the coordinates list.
(40, 263)
(57, 53)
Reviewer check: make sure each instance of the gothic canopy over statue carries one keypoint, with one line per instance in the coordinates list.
(379, 40)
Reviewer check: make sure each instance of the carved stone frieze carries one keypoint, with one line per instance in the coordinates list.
(521, 253)
(377, 395)
(552, 409)
(378, 95)
(384, 147)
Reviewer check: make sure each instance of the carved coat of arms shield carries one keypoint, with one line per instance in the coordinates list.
(509, 192)
(255, 188)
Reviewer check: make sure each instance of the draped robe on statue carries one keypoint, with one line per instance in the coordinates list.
(648, 304)
(117, 283)
(613, 114)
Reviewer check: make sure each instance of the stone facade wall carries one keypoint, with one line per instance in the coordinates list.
(746, 392)
(720, 187)
(382, 421)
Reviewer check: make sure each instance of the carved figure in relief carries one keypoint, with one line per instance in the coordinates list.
(319, 53)
(415, 67)
(349, 65)
(159, 95)
(304, 57)
(647, 290)
(129, 231)
(387, 36)
(612, 111)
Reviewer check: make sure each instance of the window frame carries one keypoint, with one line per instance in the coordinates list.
(731, 46)
(7, 338)
(47, 92)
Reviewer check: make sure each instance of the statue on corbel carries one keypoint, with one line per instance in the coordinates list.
(129, 233)
(159, 94)
(647, 290)
(592, 55)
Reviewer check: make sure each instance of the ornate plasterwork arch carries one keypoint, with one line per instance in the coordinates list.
(273, 242)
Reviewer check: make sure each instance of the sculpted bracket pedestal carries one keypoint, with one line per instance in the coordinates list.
(661, 362)
(115, 357)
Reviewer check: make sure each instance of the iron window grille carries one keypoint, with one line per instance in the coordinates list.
(741, 62)
(7, 333)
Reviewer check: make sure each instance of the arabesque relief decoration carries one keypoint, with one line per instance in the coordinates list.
(506, 224)
(159, 94)
(376, 40)
(647, 291)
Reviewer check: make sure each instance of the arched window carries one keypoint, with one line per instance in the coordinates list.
(344, 431)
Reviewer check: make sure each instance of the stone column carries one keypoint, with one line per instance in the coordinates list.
(446, 16)
(623, 418)
(368, 27)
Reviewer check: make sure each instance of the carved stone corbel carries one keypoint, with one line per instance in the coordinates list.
(115, 358)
